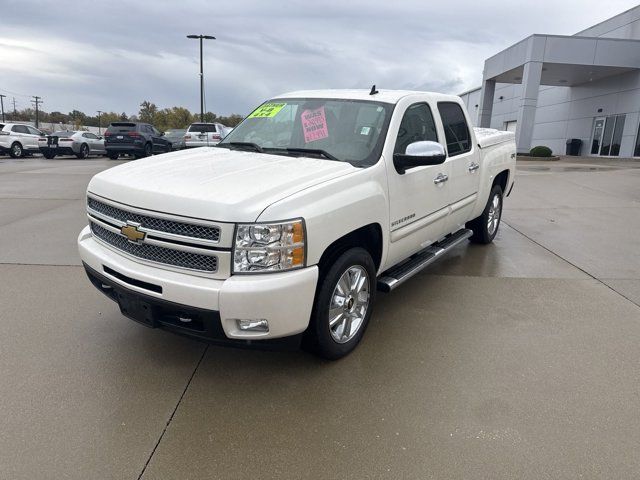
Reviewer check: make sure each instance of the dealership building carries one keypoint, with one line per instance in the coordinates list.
(552, 89)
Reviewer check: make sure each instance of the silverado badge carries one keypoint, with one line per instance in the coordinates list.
(130, 230)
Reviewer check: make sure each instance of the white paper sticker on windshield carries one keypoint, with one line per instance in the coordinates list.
(365, 130)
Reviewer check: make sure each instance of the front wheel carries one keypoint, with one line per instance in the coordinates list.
(343, 304)
(485, 227)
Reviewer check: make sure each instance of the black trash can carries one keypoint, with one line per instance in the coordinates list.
(573, 146)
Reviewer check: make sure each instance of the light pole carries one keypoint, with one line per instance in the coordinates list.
(99, 124)
(201, 37)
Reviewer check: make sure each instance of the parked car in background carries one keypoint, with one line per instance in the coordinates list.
(18, 139)
(176, 138)
(226, 131)
(81, 144)
(133, 138)
(204, 134)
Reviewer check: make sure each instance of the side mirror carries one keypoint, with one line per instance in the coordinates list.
(419, 154)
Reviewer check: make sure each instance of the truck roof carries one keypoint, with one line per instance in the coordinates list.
(386, 96)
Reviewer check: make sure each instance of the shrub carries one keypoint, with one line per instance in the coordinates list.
(540, 151)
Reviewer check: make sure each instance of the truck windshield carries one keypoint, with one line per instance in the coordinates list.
(346, 130)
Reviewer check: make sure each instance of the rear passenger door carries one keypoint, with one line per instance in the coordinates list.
(464, 161)
(22, 134)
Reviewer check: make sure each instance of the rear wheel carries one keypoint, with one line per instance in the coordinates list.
(343, 304)
(16, 150)
(485, 227)
(84, 151)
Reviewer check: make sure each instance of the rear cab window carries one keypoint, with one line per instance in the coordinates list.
(203, 127)
(121, 127)
(456, 130)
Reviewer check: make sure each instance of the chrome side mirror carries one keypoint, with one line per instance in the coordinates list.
(417, 154)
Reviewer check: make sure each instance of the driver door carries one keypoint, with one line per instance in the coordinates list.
(418, 203)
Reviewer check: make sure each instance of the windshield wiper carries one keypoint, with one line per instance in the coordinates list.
(312, 151)
(253, 146)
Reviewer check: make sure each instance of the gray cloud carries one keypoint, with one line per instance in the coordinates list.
(112, 55)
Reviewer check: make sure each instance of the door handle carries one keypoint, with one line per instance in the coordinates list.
(440, 178)
(473, 166)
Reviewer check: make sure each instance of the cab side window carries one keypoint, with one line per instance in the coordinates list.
(456, 130)
(34, 131)
(417, 125)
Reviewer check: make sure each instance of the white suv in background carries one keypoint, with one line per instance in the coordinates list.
(204, 134)
(18, 139)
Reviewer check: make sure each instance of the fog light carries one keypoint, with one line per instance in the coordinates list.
(253, 325)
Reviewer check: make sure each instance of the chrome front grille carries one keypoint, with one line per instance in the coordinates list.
(184, 229)
(155, 253)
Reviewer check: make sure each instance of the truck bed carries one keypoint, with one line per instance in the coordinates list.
(490, 136)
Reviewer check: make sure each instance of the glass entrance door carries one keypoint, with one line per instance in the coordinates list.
(607, 135)
(598, 128)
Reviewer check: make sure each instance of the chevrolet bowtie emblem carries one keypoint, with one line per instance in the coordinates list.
(132, 233)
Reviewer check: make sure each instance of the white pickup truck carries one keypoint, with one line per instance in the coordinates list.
(287, 228)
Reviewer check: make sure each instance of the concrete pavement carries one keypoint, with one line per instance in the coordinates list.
(514, 360)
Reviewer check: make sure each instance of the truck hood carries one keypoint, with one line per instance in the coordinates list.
(213, 183)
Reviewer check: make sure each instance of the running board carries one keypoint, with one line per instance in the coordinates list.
(397, 275)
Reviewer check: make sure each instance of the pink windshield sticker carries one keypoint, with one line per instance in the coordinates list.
(314, 125)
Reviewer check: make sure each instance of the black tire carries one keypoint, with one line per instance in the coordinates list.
(113, 155)
(148, 150)
(16, 150)
(84, 151)
(320, 338)
(49, 156)
(482, 232)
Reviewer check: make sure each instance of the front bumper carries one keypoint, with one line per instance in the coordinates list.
(284, 299)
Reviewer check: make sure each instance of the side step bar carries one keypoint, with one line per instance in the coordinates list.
(398, 274)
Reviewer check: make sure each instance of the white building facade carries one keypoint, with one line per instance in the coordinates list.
(551, 89)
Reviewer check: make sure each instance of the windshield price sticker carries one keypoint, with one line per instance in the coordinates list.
(314, 125)
(267, 110)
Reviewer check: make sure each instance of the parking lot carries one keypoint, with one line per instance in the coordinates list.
(515, 360)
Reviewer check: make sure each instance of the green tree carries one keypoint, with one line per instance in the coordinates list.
(147, 112)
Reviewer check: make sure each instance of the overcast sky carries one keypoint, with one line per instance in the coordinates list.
(111, 55)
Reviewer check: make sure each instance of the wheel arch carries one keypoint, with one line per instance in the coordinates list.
(368, 237)
(502, 179)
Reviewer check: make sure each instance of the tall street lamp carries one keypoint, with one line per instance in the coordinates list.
(99, 123)
(201, 37)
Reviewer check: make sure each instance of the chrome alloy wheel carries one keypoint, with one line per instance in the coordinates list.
(494, 214)
(349, 304)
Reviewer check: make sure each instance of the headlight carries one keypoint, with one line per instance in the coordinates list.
(269, 247)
